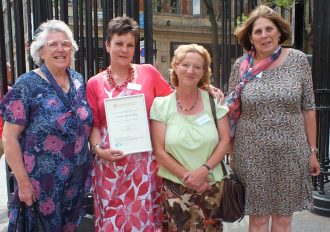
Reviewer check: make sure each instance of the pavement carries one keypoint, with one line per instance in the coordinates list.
(304, 221)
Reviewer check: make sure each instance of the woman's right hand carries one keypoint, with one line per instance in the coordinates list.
(26, 192)
(109, 154)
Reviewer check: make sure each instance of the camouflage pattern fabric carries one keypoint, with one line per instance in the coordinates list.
(188, 210)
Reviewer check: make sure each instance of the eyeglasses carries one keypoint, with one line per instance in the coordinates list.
(65, 44)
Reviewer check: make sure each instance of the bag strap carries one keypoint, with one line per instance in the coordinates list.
(38, 217)
(21, 210)
(224, 169)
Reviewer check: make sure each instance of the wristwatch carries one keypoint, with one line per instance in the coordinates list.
(314, 150)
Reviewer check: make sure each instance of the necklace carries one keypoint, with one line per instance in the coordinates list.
(112, 81)
(188, 109)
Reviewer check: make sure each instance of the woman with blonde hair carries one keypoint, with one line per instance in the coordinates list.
(188, 145)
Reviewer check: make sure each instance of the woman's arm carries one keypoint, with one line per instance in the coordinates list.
(158, 130)
(109, 154)
(14, 157)
(310, 128)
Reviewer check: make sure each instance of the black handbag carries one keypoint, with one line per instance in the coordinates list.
(37, 217)
(233, 193)
(233, 198)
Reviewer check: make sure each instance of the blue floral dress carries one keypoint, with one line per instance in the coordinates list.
(54, 146)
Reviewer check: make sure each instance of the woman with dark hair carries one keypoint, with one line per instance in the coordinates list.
(126, 188)
(272, 115)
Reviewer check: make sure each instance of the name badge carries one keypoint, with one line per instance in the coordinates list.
(259, 75)
(134, 86)
(77, 84)
(203, 119)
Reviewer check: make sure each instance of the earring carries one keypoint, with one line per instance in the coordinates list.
(252, 47)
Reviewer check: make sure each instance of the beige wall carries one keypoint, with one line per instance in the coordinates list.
(180, 29)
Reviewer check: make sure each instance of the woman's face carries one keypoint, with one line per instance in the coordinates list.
(121, 49)
(265, 37)
(57, 51)
(190, 70)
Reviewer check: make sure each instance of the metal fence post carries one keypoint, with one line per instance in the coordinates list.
(321, 79)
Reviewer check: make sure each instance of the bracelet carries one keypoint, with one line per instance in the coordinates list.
(314, 150)
(95, 146)
(207, 166)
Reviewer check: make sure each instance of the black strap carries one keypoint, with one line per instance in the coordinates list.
(224, 169)
(37, 217)
(21, 210)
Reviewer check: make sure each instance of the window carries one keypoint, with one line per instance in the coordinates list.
(167, 6)
(174, 7)
(196, 7)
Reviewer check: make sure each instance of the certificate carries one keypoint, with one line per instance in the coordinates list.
(127, 123)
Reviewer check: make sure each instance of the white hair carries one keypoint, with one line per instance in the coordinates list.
(40, 38)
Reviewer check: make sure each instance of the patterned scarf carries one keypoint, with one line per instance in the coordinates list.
(248, 71)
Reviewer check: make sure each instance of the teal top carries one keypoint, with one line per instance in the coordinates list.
(190, 139)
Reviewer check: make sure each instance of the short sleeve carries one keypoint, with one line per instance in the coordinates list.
(14, 107)
(307, 100)
(91, 95)
(161, 87)
(159, 109)
(221, 110)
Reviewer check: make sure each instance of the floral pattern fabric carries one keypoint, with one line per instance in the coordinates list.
(127, 193)
(55, 149)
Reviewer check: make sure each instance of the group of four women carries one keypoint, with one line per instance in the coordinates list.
(49, 120)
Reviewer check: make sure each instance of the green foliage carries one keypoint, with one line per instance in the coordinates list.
(285, 3)
(282, 3)
(241, 19)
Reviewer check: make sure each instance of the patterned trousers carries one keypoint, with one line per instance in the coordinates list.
(188, 210)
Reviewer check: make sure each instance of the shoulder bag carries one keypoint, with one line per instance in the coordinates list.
(233, 194)
(36, 216)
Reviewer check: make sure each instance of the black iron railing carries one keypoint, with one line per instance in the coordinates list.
(321, 79)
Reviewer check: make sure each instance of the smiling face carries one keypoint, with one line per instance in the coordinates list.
(57, 51)
(264, 37)
(121, 49)
(190, 70)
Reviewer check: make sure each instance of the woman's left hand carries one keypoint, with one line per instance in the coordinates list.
(314, 165)
(197, 180)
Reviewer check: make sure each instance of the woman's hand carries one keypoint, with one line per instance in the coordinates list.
(109, 154)
(314, 165)
(26, 192)
(197, 179)
(216, 93)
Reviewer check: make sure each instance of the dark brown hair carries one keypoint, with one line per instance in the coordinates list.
(122, 25)
(244, 31)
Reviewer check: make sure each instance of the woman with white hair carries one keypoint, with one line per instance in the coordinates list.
(46, 130)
